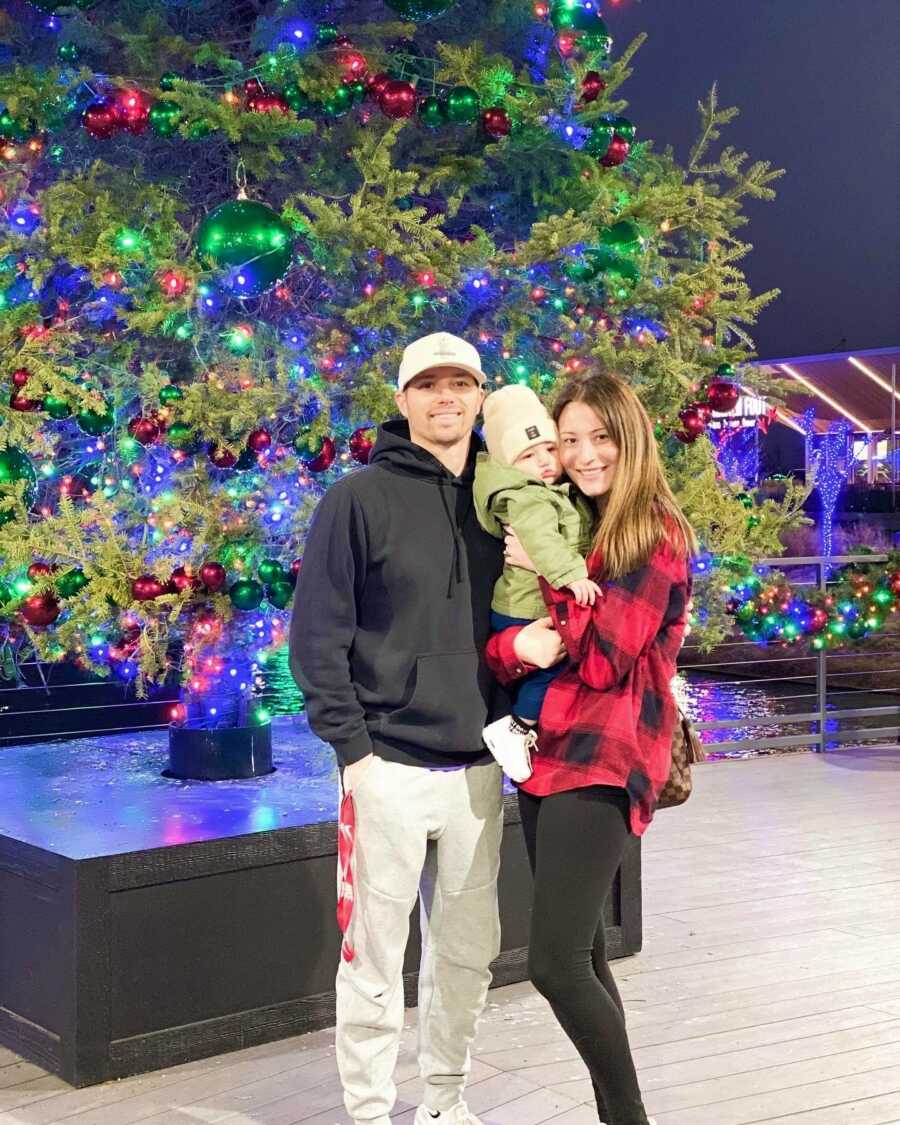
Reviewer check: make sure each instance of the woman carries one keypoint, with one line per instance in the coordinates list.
(604, 738)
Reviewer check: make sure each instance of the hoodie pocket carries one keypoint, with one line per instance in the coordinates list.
(446, 710)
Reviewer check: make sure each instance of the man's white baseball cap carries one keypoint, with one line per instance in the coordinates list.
(440, 349)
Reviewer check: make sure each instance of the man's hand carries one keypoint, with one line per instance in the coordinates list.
(586, 591)
(353, 773)
(540, 644)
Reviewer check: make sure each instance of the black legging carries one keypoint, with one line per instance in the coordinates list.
(575, 842)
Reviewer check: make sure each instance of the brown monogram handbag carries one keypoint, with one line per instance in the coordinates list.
(686, 750)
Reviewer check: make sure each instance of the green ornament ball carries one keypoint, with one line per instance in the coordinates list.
(251, 241)
(596, 40)
(246, 593)
(165, 117)
(622, 237)
(419, 11)
(170, 393)
(56, 407)
(270, 570)
(432, 112)
(69, 584)
(15, 466)
(462, 105)
(575, 15)
(624, 128)
(6, 594)
(601, 135)
(197, 130)
(167, 80)
(90, 422)
(280, 593)
(580, 269)
(725, 371)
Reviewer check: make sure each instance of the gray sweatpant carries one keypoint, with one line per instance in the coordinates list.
(435, 833)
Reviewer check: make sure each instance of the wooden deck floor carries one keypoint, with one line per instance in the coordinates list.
(768, 989)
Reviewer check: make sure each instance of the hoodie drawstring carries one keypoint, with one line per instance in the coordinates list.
(456, 561)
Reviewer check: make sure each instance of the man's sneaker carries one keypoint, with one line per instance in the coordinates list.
(512, 744)
(459, 1115)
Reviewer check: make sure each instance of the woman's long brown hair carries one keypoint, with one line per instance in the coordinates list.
(640, 508)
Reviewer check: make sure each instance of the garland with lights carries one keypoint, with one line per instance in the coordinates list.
(862, 597)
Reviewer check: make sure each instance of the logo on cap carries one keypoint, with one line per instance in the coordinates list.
(531, 432)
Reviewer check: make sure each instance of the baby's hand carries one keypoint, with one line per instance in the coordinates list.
(585, 590)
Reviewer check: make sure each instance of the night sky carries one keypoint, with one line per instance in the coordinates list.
(818, 86)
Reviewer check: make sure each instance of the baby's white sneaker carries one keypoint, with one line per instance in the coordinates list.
(512, 744)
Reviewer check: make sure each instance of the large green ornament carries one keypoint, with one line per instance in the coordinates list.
(462, 105)
(420, 10)
(68, 584)
(56, 407)
(90, 422)
(15, 465)
(165, 117)
(246, 593)
(170, 393)
(580, 269)
(624, 128)
(280, 593)
(622, 237)
(432, 112)
(596, 40)
(577, 15)
(270, 570)
(597, 144)
(251, 241)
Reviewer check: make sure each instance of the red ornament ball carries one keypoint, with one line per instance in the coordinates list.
(181, 581)
(20, 376)
(212, 575)
(722, 396)
(253, 88)
(100, 120)
(592, 85)
(24, 404)
(295, 567)
(259, 440)
(222, 458)
(352, 63)
(375, 84)
(147, 587)
(132, 110)
(617, 153)
(144, 430)
(39, 570)
(397, 99)
(324, 459)
(268, 103)
(495, 122)
(40, 609)
(361, 443)
(704, 409)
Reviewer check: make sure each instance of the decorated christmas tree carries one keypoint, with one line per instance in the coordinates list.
(223, 224)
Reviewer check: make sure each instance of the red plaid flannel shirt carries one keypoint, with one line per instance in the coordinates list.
(608, 718)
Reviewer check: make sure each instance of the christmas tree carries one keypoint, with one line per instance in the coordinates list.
(223, 224)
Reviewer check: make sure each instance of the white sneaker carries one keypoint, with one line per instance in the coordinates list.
(512, 746)
(460, 1114)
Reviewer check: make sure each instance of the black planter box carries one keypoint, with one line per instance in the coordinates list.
(217, 931)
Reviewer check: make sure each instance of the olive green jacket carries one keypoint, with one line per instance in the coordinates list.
(553, 524)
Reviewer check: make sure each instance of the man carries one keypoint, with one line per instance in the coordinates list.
(391, 616)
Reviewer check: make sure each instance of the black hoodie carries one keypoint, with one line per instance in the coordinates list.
(392, 611)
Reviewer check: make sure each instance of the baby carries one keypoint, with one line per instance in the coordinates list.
(517, 487)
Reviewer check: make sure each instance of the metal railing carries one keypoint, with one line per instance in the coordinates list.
(827, 675)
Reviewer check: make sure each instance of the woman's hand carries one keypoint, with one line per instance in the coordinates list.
(540, 644)
(514, 553)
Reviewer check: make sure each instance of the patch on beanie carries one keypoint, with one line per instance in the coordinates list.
(531, 432)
